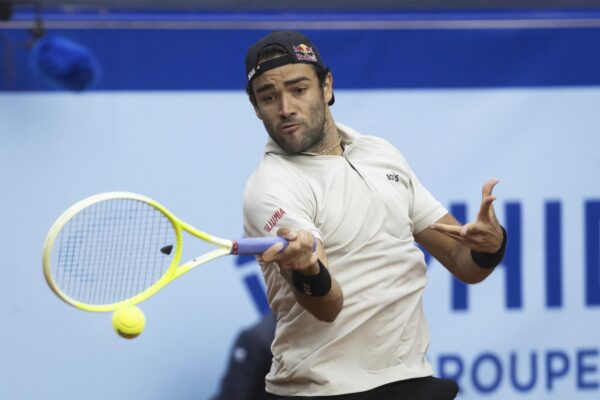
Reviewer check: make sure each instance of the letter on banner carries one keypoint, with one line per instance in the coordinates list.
(592, 253)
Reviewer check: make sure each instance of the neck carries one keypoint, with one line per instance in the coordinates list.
(332, 142)
(334, 149)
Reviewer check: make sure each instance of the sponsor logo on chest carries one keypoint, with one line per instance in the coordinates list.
(393, 177)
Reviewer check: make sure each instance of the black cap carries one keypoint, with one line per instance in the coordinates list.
(299, 48)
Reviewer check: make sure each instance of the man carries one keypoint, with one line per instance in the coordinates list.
(347, 290)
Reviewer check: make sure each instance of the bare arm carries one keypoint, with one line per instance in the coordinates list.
(299, 256)
(451, 243)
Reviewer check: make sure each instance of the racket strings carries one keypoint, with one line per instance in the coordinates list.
(110, 251)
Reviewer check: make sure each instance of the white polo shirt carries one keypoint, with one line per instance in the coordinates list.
(365, 207)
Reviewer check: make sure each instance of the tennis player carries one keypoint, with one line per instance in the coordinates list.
(349, 312)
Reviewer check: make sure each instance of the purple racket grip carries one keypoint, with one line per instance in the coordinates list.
(255, 246)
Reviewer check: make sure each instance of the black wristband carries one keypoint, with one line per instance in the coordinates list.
(313, 285)
(490, 260)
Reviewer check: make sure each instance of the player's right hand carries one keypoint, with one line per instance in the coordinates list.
(299, 255)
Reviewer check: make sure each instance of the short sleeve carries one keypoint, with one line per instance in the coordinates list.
(425, 209)
(270, 204)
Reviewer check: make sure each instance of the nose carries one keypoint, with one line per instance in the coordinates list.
(286, 108)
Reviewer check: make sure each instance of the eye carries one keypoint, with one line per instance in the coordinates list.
(299, 90)
(267, 98)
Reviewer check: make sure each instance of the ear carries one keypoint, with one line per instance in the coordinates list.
(328, 88)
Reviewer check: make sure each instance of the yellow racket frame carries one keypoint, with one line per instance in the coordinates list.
(173, 272)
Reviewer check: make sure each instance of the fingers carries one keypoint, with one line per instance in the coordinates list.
(271, 253)
(452, 231)
(488, 187)
(457, 232)
(486, 211)
(286, 234)
(446, 228)
(475, 236)
(298, 255)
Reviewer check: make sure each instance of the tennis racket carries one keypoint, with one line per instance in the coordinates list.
(117, 249)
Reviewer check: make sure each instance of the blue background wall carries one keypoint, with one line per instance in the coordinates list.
(464, 97)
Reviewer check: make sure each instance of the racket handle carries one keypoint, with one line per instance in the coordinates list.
(258, 245)
(255, 246)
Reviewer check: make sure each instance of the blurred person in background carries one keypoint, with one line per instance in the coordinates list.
(249, 363)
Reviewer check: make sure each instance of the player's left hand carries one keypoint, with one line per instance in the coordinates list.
(485, 234)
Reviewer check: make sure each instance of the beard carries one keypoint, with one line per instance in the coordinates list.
(312, 131)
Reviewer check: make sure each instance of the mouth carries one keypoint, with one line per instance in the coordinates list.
(290, 128)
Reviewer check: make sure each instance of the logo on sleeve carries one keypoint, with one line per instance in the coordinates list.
(271, 223)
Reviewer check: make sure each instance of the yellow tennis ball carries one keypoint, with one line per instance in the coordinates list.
(129, 322)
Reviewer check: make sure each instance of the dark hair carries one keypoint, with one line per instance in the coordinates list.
(274, 51)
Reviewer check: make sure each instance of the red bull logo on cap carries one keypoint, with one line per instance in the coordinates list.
(305, 53)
